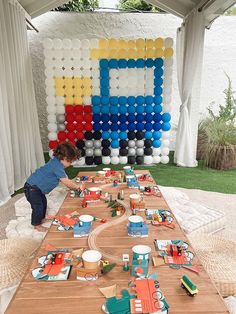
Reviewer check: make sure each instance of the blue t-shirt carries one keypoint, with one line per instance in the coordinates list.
(47, 177)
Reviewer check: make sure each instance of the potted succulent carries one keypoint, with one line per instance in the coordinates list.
(217, 134)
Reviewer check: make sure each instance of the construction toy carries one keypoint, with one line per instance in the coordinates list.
(137, 227)
(189, 286)
(145, 177)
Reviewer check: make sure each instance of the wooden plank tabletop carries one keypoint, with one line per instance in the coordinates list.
(83, 297)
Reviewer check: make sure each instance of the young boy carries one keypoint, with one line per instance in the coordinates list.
(46, 178)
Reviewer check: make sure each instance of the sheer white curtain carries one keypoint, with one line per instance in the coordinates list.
(189, 51)
(20, 143)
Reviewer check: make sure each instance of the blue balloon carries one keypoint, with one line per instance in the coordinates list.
(95, 100)
(122, 100)
(123, 135)
(166, 126)
(158, 91)
(139, 126)
(157, 100)
(131, 100)
(122, 118)
(157, 117)
(149, 63)
(103, 63)
(105, 100)
(148, 135)
(96, 109)
(140, 100)
(105, 135)
(104, 91)
(166, 117)
(156, 135)
(115, 144)
(122, 63)
(105, 118)
(104, 82)
(148, 126)
(123, 127)
(114, 118)
(105, 127)
(114, 127)
(113, 100)
(158, 62)
(131, 109)
(149, 108)
(156, 143)
(104, 73)
(131, 126)
(158, 81)
(114, 110)
(157, 108)
(140, 63)
(131, 63)
(113, 64)
(158, 72)
(96, 117)
(148, 117)
(157, 126)
(97, 126)
(149, 100)
(140, 109)
(105, 109)
(139, 117)
(114, 135)
(131, 118)
(122, 109)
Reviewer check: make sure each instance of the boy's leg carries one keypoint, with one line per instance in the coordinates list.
(44, 205)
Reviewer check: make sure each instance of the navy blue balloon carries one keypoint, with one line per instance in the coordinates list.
(149, 63)
(140, 100)
(148, 117)
(131, 100)
(166, 117)
(140, 109)
(97, 126)
(122, 118)
(123, 109)
(95, 100)
(122, 63)
(149, 109)
(114, 127)
(104, 73)
(105, 91)
(131, 109)
(123, 127)
(96, 109)
(104, 82)
(158, 81)
(105, 135)
(156, 143)
(105, 109)
(103, 63)
(157, 100)
(139, 126)
(114, 118)
(158, 90)
(113, 64)
(157, 126)
(123, 135)
(158, 72)
(114, 110)
(148, 100)
(105, 126)
(157, 108)
(140, 63)
(114, 135)
(157, 117)
(148, 135)
(115, 144)
(105, 118)
(131, 126)
(105, 100)
(131, 63)
(139, 117)
(156, 135)
(148, 126)
(113, 100)
(131, 118)
(122, 100)
(158, 62)
(97, 117)
(166, 126)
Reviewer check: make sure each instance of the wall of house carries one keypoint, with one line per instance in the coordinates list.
(219, 55)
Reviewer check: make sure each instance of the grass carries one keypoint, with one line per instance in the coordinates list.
(201, 177)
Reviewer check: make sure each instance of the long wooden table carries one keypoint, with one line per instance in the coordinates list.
(83, 297)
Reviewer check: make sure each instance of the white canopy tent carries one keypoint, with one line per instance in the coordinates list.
(21, 149)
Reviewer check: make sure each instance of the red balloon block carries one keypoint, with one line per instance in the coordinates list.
(61, 135)
(88, 118)
(69, 109)
(78, 109)
(88, 109)
(70, 117)
(79, 135)
(70, 127)
(88, 127)
(79, 118)
(79, 126)
(52, 144)
(71, 136)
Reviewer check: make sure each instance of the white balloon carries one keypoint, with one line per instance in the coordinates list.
(66, 43)
(87, 64)
(77, 72)
(49, 81)
(156, 151)
(131, 151)
(165, 151)
(94, 43)
(51, 118)
(60, 109)
(60, 100)
(87, 100)
(166, 108)
(58, 72)
(106, 160)
(61, 127)
(51, 109)
(139, 143)
(81, 161)
(165, 143)
(156, 159)
(165, 135)
(48, 43)
(48, 53)
(68, 72)
(115, 160)
(89, 152)
(169, 42)
(131, 143)
(123, 83)
(168, 72)
(115, 152)
(114, 83)
(85, 54)
(48, 63)
(49, 72)
(52, 127)
(96, 82)
(68, 63)
(77, 63)
(97, 144)
(86, 73)
(164, 159)
(97, 152)
(50, 90)
(76, 43)
(94, 64)
(148, 160)
(52, 136)
(168, 62)
(89, 144)
(51, 153)
(123, 160)
(58, 54)
(167, 99)
(139, 151)
(96, 91)
(57, 43)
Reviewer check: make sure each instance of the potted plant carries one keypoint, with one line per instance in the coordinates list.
(217, 134)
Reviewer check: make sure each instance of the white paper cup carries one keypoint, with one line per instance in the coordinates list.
(94, 190)
(85, 220)
(91, 259)
(135, 221)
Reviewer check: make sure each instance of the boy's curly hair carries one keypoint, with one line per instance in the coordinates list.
(66, 151)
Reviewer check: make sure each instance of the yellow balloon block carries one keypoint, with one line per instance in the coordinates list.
(73, 86)
(150, 43)
(122, 54)
(113, 53)
(131, 44)
(87, 91)
(150, 53)
(78, 100)
(78, 82)
(123, 44)
(168, 52)
(69, 91)
(159, 42)
(59, 91)
(113, 43)
(78, 92)
(158, 53)
(103, 43)
(69, 100)
(140, 43)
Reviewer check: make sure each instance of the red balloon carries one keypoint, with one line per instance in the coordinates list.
(79, 127)
(71, 136)
(79, 135)
(61, 135)
(70, 117)
(88, 109)
(72, 142)
(70, 127)
(78, 108)
(69, 109)
(79, 118)
(52, 144)
(88, 126)
(88, 118)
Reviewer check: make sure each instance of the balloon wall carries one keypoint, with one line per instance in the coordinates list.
(110, 97)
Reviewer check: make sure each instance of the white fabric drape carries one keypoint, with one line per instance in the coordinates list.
(189, 51)
(20, 143)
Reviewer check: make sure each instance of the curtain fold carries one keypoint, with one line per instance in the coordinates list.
(20, 144)
(189, 51)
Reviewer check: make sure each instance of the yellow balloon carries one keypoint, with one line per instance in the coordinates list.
(132, 53)
(94, 53)
(77, 81)
(69, 92)
(150, 53)
(78, 100)
(141, 53)
(60, 91)
(104, 53)
(140, 43)
(122, 54)
(123, 44)
(150, 43)
(113, 43)
(78, 92)
(87, 91)
(113, 53)
(168, 52)
(159, 42)
(131, 44)
(69, 100)
(159, 53)
(103, 43)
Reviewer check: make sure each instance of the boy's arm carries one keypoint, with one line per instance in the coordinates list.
(70, 184)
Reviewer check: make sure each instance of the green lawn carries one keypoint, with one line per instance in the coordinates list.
(201, 177)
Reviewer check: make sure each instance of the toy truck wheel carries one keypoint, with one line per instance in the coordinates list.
(137, 233)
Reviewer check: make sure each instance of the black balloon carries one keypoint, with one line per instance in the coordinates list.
(123, 143)
(97, 135)
(148, 143)
(80, 144)
(139, 160)
(97, 160)
(131, 135)
(123, 152)
(131, 160)
(148, 151)
(89, 160)
(139, 135)
(106, 143)
(88, 135)
(106, 152)
(82, 152)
